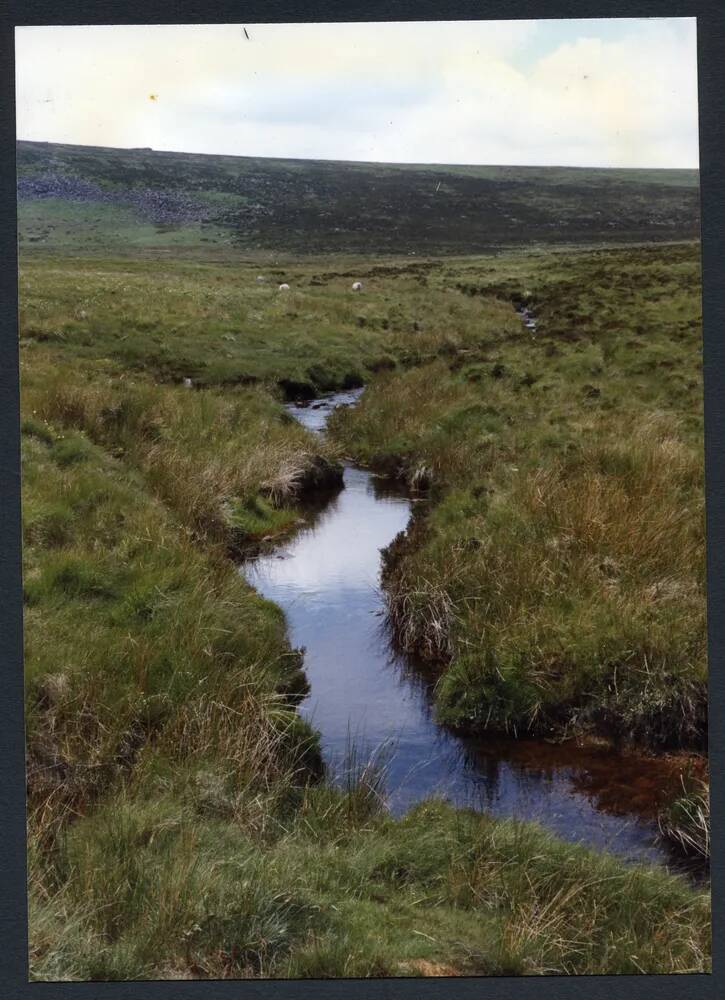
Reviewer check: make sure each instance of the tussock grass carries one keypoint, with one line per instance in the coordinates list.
(180, 825)
(214, 324)
(153, 888)
(557, 572)
(686, 821)
(135, 634)
(212, 458)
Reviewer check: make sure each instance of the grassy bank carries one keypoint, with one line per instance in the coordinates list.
(179, 824)
(557, 574)
(202, 880)
(233, 467)
(139, 631)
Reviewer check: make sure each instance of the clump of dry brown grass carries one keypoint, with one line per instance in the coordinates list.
(136, 635)
(202, 452)
(422, 620)
(686, 821)
(557, 572)
(631, 495)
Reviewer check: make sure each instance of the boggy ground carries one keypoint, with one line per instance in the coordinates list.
(179, 823)
(557, 576)
(215, 324)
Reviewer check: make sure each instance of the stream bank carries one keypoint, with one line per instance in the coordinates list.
(370, 699)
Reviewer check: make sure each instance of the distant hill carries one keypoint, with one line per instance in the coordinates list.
(92, 199)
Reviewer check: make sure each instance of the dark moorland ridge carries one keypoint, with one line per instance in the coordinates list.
(106, 198)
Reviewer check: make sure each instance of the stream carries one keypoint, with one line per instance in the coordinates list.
(362, 692)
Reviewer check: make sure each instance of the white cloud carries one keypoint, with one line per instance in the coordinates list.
(425, 92)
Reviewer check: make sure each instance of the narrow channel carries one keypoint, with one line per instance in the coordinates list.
(326, 580)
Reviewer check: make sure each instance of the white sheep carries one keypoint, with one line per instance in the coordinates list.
(284, 287)
(357, 286)
(260, 279)
(188, 383)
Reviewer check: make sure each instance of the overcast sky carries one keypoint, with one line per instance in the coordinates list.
(614, 93)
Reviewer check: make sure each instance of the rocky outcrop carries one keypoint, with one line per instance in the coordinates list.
(158, 207)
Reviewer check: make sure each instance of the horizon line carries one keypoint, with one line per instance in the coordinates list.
(314, 159)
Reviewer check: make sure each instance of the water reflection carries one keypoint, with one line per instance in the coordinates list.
(326, 579)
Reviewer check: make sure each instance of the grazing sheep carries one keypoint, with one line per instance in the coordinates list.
(284, 287)
(260, 279)
(188, 383)
(357, 286)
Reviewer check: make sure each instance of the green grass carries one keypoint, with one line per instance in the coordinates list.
(60, 226)
(259, 518)
(133, 630)
(230, 465)
(191, 886)
(179, 822)
(216, 325)
(557, 575)
(685, 822)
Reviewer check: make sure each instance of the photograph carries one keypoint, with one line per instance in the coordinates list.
(363, 499)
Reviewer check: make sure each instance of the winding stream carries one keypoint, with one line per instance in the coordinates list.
(326, 579)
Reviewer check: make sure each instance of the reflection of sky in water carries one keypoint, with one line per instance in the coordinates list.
(341, 553)
(326, 580)
(314, 415)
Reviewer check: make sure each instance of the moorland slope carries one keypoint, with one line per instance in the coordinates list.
(92, 198)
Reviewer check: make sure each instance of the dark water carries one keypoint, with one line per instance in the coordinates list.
(326, 579)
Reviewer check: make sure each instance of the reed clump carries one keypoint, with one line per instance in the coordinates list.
(685, 822)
